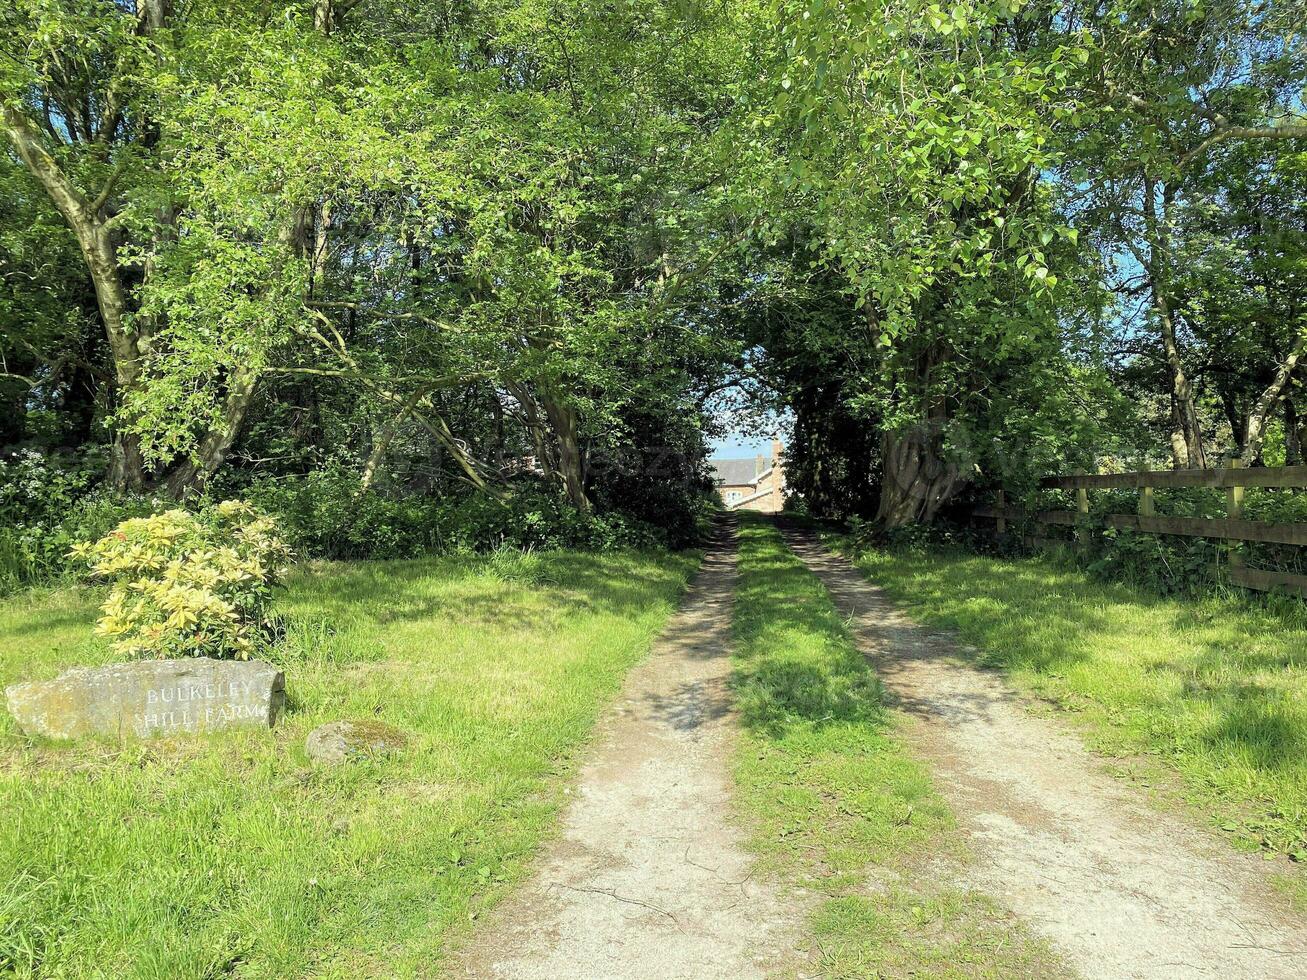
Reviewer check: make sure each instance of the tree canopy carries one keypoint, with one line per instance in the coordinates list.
(447, 246)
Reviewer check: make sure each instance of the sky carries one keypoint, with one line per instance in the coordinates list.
(739, 446)
(751, 437)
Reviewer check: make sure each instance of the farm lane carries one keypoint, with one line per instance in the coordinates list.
(1120, 889)
(649, 876)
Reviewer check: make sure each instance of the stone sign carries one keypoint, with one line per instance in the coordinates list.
(150, 697)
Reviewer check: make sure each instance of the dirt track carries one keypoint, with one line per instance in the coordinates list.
(648, 877)
(1120, 889)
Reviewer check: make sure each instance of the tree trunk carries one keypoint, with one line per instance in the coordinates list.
(571, 463)
(439, 428)
(380, 446)
(153, 15)
(324, 17)
(191, 475)
(1179, 449)
(387, 436)
(95, 239)
(1159, 282)
(126, 463)
(328, 14)
(1187, 413)
(1266, 403)
(1238, 421)
(536, 429)
(917, 480)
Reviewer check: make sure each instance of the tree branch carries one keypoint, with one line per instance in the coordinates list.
(1223, 133)
(72, 204)
(106, 191)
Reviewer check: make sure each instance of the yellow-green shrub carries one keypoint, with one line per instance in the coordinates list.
(188, 584)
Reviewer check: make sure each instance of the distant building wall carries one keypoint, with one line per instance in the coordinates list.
(752, 484)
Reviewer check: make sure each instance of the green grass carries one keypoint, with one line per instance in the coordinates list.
(1214, 689)
(232, 855)
(836, 802)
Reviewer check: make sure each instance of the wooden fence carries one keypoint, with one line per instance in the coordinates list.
(1232, 527)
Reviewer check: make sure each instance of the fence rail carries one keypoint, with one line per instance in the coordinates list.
(1232, 527)
(1284, 477)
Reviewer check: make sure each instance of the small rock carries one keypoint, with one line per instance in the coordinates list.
(342, 741)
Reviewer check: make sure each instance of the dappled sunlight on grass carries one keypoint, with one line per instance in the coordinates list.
(1218, 687)
(232, 853)
(799, 669)
(813, 707)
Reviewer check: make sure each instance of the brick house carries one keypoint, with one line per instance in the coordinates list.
(752, 484)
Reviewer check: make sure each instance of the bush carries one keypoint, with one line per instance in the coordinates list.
(1165, 564)
(535, 518)
(915, 539)
(1180, 565)
(47, 505)
(681, 510)
(188, 584)
(1162, 564)
(327, 514)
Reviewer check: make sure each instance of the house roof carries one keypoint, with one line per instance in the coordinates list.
(737, 472)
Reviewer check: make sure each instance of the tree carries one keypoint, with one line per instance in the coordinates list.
(1170, 86)
(919, 136)
(74, 105)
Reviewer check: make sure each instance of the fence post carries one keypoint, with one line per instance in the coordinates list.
(1082, 508)
(1147, 507)
(1234, 511)
(1000, 528)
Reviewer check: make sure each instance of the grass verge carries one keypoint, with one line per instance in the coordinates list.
(231, 854)
(837, 804)
(1215, 689)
